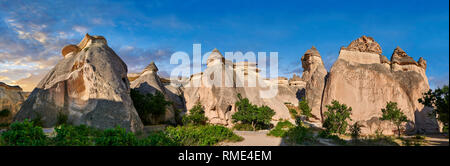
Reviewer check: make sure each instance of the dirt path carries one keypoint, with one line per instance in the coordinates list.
(255, 138)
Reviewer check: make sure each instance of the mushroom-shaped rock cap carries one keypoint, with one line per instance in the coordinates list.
(85, 42)
(422, 63)
(151, 67)
(215, 55)
(312, 52)
(400, 57)
(364, 44)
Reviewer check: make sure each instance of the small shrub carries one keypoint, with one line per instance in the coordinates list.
(116, 137)
(61, 119)
(304, 108)
(37, 121)
(243, 127)
(336, 117)
(157, 139)
(293, 112)
(281, 128)
(149, 105)
(201, 135)
(67, 135)
(196, 115)
(394, 114)
(251, 114)
(355, 130)
(300, 135)
(24, 133)
(5, 113)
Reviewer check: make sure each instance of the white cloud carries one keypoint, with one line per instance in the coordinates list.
(80, 29)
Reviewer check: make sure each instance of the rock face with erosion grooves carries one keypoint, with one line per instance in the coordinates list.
(365, 80)
(314, 74)
(242, 78)
(89, 86)
(148, 82)
(11, 98)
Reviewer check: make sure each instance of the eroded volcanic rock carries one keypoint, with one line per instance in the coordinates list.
(219, 99)
(89, 86)
(364, 80)
(314, 74)
(148, 82)
(11, 98)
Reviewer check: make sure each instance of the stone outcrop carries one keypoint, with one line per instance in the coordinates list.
(219, 99)
(365, 80)
(148, 82)
(314, 74)
(89, 86)
(11, 98)
(364, 44)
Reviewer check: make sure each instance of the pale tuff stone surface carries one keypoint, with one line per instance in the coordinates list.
(219, 101)
(148, 82)
(367, 85)
(89, 85)
(11, 98)
(364, 44)
(314, 74)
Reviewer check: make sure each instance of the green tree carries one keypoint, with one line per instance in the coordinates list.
(336, 117)
(251, 114)
(149, 105)
(394, 114)
(304, 108)
(196, 115)
(355, 130)
(438, 100)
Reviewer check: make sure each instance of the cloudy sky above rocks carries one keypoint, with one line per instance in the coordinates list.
(33, 32)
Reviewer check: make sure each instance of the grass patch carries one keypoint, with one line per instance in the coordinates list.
(300, 135)
(201, 135)
(281, 129)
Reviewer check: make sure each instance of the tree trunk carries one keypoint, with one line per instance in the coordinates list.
(254, 126)
(398, 130)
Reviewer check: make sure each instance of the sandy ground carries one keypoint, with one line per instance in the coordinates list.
(255, 138)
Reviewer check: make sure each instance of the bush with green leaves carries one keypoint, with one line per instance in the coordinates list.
(5, 113)
(243, 127)
(355, 130)
(196, 115)
(149, 105)
(247, 113)
(281, 128)
(438, 100)
(336, 117)
(304, 108)
(24, 133)
(67, 135)
(61, 118)
(206, 135)
(157, 139)
(300, 135)
(395, 115)
(293, 112)
(116, 137)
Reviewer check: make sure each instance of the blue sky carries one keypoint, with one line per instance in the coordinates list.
(142, 31)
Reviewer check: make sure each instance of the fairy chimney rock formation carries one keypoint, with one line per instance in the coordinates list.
(89, 86)
(314, 74)
(11, 98)
(365, 80)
